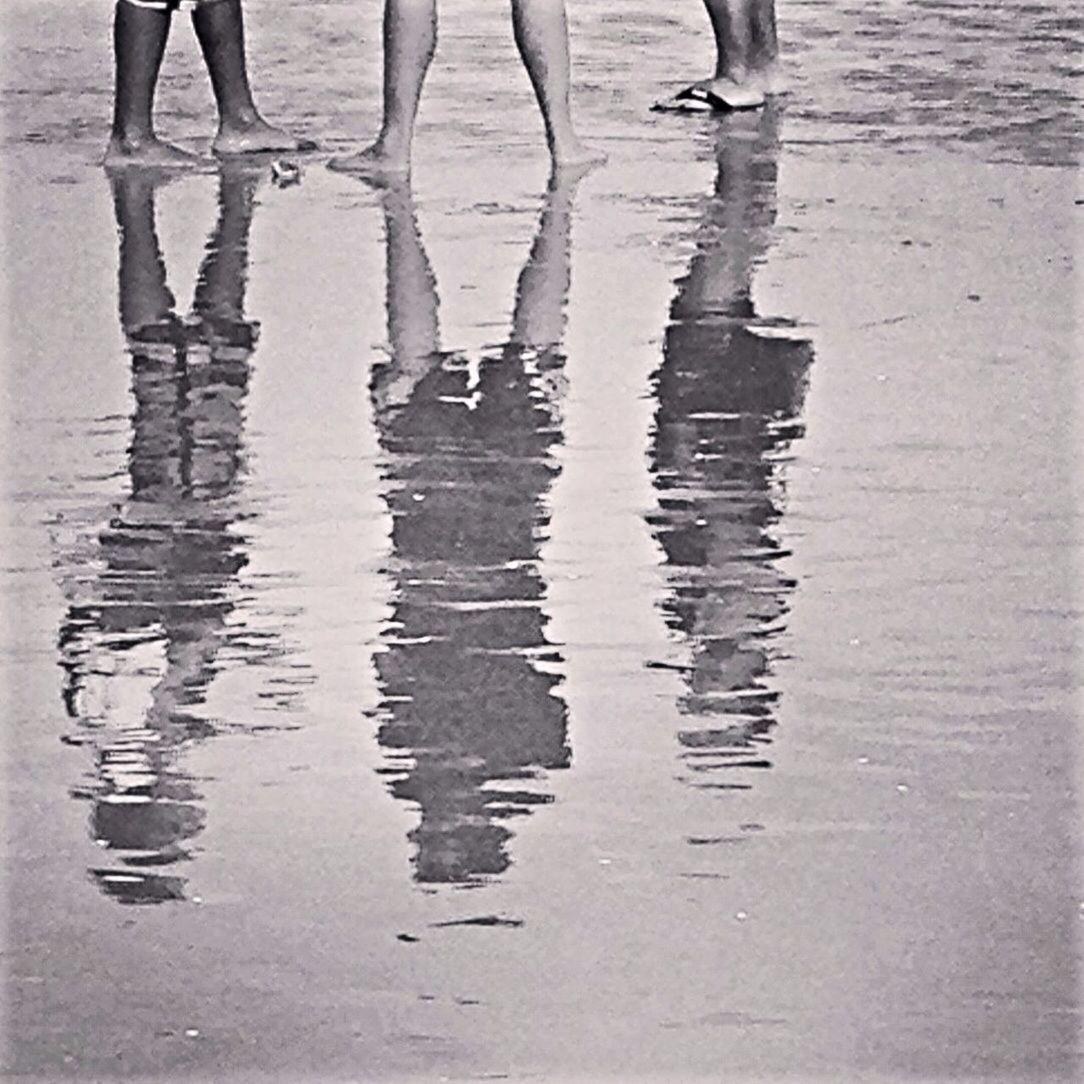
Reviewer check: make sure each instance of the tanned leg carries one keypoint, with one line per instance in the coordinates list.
(221, 33)
(732, 25)
(139, 42)
(745, 57)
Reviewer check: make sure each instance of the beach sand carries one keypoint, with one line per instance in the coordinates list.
(627, 632)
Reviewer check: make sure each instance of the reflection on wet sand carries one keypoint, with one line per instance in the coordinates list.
(142, 636)
(469, 712)
(730, 392)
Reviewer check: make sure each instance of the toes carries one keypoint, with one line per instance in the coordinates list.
(369, 166)
(269, 141)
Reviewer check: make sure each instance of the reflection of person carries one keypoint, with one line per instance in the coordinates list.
(469, 712)
(730, 391)
(410, 38)
(149, 624)
(140, 30)
(746, 51)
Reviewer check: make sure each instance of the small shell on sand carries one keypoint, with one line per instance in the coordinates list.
(285, 173)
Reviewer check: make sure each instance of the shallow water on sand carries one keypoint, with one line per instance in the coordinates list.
(620, 631)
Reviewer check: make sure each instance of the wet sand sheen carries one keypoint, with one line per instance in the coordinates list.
(620, 632)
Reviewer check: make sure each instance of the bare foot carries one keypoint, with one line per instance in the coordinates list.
(565, 176)
(374, 163)
(146, 152)
(259, 137)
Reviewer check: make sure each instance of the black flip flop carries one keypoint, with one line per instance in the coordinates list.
(697, 99)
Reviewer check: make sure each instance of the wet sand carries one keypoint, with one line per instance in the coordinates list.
(623, 632)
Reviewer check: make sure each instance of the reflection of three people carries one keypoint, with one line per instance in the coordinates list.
(470, 717)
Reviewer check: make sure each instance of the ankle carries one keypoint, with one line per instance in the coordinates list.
(132, 136)
(732, 73)
(561, 137)
(239, 119)
(393, 144)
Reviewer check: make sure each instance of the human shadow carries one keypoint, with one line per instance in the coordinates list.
(147, 617)
(469, 713)
(729, 394)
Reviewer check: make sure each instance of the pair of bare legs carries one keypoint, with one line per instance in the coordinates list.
(746, 53)
(139, 43)
(410, 39)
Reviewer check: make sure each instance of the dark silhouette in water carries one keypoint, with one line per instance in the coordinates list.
(148, 623)
(730, 392)
(468, 698)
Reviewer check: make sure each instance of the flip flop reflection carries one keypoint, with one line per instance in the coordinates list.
(729, 398)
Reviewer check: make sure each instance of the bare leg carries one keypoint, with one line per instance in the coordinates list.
(541, 32)
(241, 130)
(410, 39)
(746, 49)
(764, 46)
(139, 41)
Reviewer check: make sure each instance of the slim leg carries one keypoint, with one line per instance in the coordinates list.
(541, 32)
(745, 49)
(764, 45)
(220, 29)
(745, 58)
(410, 39)
(139, 42)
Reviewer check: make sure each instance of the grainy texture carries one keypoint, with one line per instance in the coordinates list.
(671, 677)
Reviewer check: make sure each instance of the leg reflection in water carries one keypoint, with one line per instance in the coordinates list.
(469, 712)
(146, 622)
(729, 393)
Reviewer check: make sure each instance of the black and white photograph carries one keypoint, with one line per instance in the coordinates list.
(542, 541)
